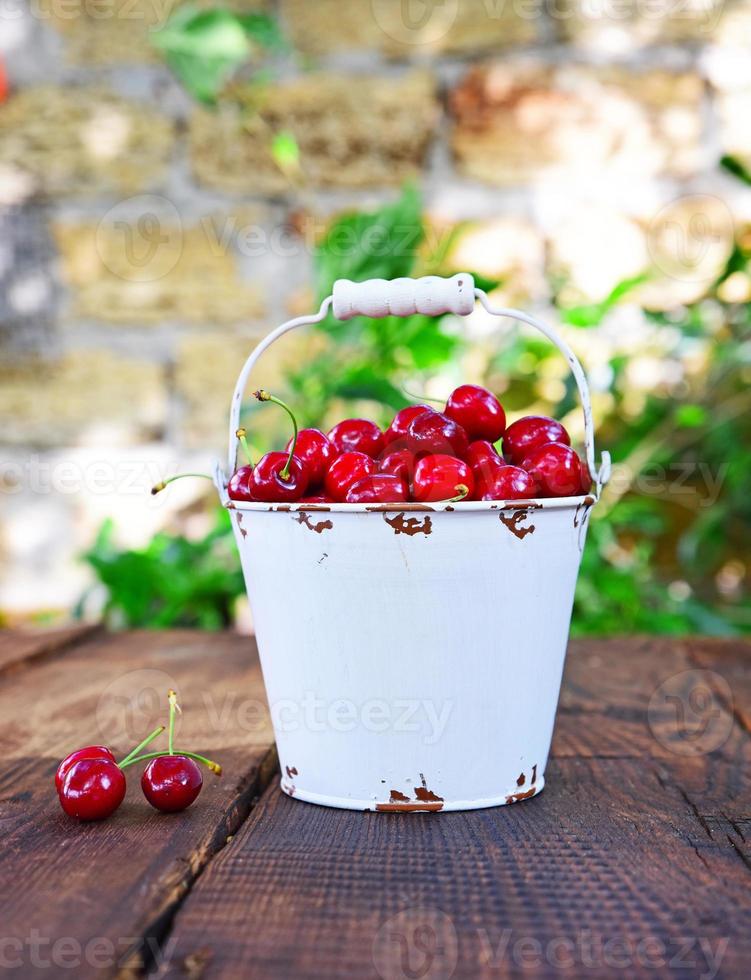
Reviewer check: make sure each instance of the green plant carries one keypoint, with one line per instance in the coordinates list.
(205, 47)
(172, 582)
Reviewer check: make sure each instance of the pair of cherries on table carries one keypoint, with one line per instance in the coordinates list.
(91, 783)
(425, 455)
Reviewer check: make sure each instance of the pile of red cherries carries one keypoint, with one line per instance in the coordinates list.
(425, 455)
(91, 784)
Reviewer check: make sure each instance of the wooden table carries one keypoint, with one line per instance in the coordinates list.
(634, 861)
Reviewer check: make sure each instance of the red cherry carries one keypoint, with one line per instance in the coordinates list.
(528, 433)
(440, 477)
(92, 789)
(316, 452)
(346, 471)
(508, 483)
(486, 473)
(239, 484)
(433, 432)
(480, 450)
(88, 752)
(357, 436)
(319, 499)
(399, 462)
(401, 421)
(483, 459)
(556, 468)
(380, 488)
(478, 411)
(171, 782)
(268, 481)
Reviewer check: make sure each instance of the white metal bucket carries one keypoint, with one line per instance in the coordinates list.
(412, 653)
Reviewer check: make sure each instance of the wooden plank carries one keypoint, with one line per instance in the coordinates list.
(730, 661)
(18, 647)
(606, 873)
(637, 697)
(105, 892)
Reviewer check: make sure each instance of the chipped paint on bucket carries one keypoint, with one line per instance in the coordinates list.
(412, 653)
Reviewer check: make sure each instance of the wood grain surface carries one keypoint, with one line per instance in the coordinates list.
(17, 649)
(634, 861)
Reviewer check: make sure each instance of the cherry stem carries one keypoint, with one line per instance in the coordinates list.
(147, 741)
(423, 398)
(173, 708)
(241, 436)
(213, 766)
(264, 396)
(462, 490)
(158, 487)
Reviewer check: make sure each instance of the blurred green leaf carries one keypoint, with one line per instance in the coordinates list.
(592, 314)
(172, 582)
(736, 167)
(205, 47)
(690, 416)
(286, 152)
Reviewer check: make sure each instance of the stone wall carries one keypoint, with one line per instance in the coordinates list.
(146, 242)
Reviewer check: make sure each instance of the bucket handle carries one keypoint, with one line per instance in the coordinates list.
(430, 296)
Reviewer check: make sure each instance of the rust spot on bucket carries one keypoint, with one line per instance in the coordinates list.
(410, 525)
(517, 797)
(319, 527)
(397, 797)
(513, 523)
(426, 795)
(242, 530)
(584, 506)
(425, 799)
(524, 794)
(408, 807)
(289, 787)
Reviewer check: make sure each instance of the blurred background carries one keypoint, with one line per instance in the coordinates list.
(176, 179)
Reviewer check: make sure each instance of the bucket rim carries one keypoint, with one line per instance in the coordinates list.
(467, 507)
